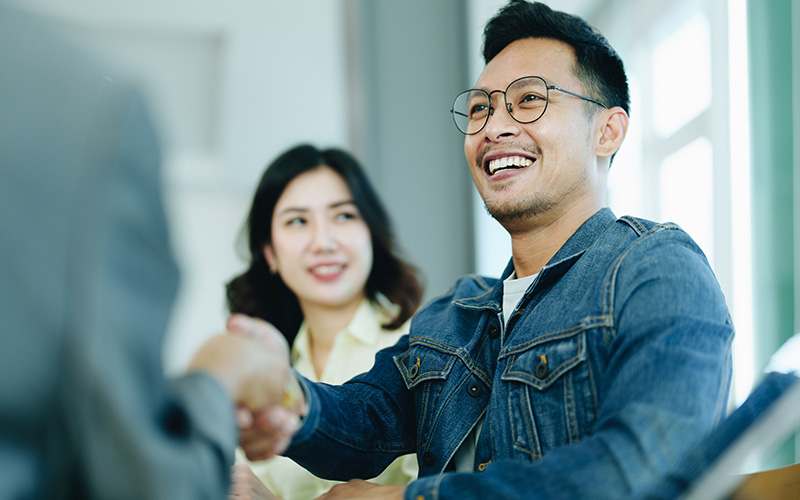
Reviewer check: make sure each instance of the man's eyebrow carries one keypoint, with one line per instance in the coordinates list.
(547, 80)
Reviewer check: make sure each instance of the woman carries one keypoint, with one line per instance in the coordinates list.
(323, 270)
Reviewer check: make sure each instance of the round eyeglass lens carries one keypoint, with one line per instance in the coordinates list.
(526, 99)
(471, 110)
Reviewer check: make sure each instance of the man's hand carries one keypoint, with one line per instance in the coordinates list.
(358, 489)
(253, 376)
(292, 396)
(245, 485)
(267, 433)
(258, 329)
(252, 363)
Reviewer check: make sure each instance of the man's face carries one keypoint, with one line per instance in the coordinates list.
(551, 165)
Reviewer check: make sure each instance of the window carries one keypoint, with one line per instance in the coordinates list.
(686, 157)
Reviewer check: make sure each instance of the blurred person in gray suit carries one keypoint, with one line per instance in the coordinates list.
(86, 287)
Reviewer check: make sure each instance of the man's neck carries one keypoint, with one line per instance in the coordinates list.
(534, 246)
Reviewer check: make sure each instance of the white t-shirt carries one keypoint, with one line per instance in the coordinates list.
(513, 290)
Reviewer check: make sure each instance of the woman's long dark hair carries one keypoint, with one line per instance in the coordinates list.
(257, 292)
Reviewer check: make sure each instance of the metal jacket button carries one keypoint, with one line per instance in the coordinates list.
(494, 331)
(542, 369)
(414, 370)
(428, 459)
(475, 389)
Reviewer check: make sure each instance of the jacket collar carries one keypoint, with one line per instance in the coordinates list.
(562, 261)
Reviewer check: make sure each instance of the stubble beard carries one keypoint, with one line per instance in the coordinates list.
(520, 211)
(524, 209)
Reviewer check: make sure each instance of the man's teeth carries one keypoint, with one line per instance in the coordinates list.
(329, 269)
(509, 161)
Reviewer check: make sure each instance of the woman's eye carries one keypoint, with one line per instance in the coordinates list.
(297, 221)
(345, 216)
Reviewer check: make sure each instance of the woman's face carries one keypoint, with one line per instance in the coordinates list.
(321, 247)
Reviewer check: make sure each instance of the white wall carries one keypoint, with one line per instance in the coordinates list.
(231, 84)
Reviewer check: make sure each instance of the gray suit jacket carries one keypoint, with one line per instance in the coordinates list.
(87, 280)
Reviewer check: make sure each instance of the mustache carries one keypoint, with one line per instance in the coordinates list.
(527, 147)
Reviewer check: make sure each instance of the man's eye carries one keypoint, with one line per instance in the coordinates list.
(531, 97)
(531, 101)
(478, 111)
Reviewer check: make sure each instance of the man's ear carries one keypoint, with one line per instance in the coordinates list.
(613, 127)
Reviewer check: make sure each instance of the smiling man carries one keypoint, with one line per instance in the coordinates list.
(596, 361)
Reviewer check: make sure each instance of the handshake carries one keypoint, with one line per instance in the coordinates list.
(252, 362)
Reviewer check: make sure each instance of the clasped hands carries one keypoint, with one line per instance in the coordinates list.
(252, 363)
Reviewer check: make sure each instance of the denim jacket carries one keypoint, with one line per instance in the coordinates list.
(616, 360)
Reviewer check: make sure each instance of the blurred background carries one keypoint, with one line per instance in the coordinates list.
(714, 143)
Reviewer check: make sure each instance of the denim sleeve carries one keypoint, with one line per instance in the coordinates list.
(664, 387)
(379, 413)
(762, 420)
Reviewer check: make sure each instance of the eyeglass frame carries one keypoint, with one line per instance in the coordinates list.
(547, 87)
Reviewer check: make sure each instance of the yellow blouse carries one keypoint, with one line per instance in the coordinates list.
(353, 352)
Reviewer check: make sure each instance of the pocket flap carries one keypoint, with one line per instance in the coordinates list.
(540, 364)
(423, 362)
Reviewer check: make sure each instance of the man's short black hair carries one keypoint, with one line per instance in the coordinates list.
(599, 67)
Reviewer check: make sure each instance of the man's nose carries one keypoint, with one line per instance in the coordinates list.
(501, 123)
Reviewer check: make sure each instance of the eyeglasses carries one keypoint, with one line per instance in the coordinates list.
(526, 100)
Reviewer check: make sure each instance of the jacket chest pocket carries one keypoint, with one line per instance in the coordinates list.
(550, 390)
(425, 369)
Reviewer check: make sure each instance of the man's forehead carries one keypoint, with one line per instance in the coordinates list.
(551, 59)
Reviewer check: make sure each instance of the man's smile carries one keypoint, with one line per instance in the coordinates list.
(507, 157)
(505, 162)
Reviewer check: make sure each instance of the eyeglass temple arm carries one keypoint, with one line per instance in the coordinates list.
(553, 87)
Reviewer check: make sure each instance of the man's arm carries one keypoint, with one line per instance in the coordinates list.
(664, 387)
(663, 390)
